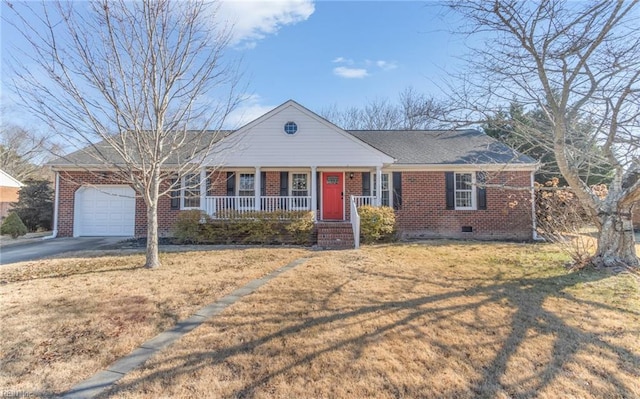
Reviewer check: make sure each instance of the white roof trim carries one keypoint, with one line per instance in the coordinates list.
(8, 180)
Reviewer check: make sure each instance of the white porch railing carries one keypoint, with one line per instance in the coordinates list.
(361, 200)
(355, 222)
(271, 204)
(222, 207)
(214, 205)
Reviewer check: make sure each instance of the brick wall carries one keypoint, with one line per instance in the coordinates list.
(352, 186)
(70, 182)
(424, 213)
(218, 184)
(166, 216)
(8, 195)
(273, 184)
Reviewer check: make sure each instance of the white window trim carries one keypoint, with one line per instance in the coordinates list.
(291, 173)
(238, 183)
(182, 192)
(249, 197)
(374, 189)
(474, 204)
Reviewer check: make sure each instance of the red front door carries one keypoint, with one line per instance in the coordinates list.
(332, 196)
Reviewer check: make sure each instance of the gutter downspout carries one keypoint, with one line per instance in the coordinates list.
(55, 209)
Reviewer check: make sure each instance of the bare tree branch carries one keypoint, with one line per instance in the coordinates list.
(570, 60)
(142, 87)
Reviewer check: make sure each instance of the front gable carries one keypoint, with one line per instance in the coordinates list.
(316, 142)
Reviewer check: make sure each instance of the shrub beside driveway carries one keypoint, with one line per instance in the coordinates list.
(441, 319)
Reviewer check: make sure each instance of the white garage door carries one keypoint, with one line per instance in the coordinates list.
(104, 211)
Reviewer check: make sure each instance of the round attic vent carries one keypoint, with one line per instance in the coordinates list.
(290, 128)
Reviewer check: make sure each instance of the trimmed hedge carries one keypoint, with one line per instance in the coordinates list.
(377, 224)
(280, 227)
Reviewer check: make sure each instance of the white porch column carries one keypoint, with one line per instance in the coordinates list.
(378, 186)
(256, 187)
(203, 189)
(314, 194)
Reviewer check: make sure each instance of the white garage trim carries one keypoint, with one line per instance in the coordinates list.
(104, 210)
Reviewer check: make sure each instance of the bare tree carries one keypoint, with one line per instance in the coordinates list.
(420, 111)
(566, 59)
(22, 152)
(414, 111)
(143, 85)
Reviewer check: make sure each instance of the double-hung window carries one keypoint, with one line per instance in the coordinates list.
(246, 191)
(191, 191)
(465, 191)
(385, 188)
(247, 186)
(299, 188)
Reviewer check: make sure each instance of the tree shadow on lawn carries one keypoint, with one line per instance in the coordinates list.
(525, 297)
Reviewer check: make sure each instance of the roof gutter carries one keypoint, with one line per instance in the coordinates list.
(493, 167)
(55, 209)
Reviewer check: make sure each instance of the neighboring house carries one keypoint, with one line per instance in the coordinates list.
(460, 184)
(9, 188)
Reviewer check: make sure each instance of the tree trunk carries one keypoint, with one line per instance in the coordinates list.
(151, 200)
(152, 256)
(616, 241)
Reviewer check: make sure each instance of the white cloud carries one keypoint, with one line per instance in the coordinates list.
(350, 73)
(342, 60)
(249, 109)
(386, 65)
(360, 69)
(254, 20)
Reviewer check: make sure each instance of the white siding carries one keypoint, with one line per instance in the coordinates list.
(317, 142)
(7, 180)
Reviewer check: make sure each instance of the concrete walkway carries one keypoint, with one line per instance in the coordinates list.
(105, 379)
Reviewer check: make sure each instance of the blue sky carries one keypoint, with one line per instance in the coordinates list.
(348, 53)
(322, 54)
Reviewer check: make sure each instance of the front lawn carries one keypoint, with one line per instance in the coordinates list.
(437, 319)
(63, 320)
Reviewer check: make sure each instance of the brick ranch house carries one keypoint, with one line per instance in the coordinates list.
(292, 158)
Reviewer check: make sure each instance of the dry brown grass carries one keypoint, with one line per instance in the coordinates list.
(440, 319)
(63, 320)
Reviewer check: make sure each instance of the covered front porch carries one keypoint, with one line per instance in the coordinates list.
(326, 192)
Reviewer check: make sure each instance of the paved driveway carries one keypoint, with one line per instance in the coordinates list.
(40, 249)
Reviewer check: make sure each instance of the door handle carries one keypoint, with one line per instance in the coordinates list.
(342, 195)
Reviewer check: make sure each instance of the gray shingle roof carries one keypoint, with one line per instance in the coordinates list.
(448, 147)
(409, 147)
(104, 154)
